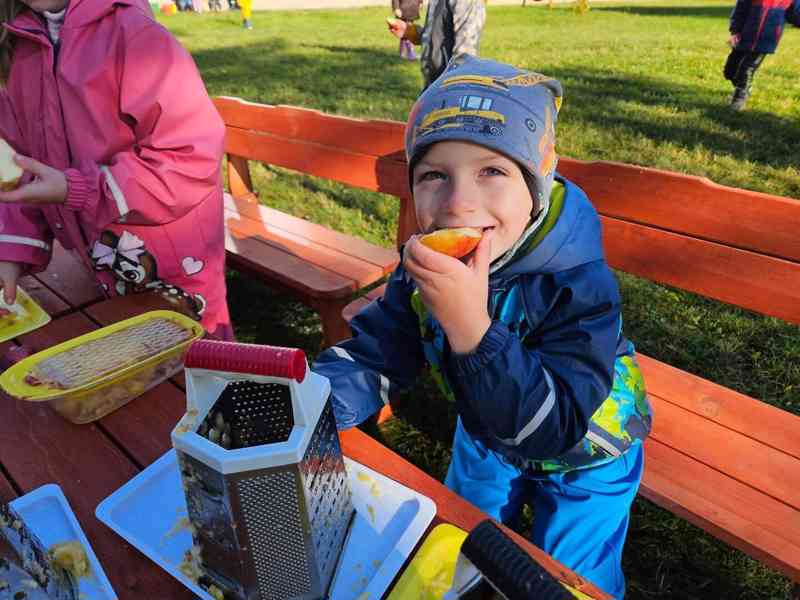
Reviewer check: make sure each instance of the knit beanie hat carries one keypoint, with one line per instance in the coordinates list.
(500, 107)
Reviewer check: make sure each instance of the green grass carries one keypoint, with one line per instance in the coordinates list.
(642, 85)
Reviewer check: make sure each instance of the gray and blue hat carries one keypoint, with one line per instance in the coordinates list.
(495, 105)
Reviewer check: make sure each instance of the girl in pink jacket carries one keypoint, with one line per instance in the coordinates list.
(122, 149)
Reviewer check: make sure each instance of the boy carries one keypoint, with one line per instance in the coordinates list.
(524, 335)
(756, 29)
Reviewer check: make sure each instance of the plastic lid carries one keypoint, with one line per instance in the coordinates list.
(272, 361)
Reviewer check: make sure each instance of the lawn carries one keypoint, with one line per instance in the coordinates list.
(642, 85)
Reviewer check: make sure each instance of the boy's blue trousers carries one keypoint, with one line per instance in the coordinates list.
(580, 517)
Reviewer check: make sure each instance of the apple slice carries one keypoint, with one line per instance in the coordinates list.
(10, 173)
(456, 242)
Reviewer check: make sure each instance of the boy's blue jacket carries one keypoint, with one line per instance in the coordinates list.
(760, 23)
(538, 389)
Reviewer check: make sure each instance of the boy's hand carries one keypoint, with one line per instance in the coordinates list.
(457, 294)
(397, 27)
(9, 274)
(733, 41)
(48, 187)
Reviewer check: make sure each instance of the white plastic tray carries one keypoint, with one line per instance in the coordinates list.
(47, 513)
(390, 520)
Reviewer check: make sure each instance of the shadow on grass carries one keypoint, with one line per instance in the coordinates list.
(669, 11)
(595, 96)
(327, 79)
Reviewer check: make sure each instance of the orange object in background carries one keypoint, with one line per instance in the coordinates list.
(169, 9)
(456, 242)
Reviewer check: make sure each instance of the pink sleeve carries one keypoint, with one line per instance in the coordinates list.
(24, 234)
(175, 163)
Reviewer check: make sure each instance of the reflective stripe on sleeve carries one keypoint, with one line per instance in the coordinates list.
(18, 239)
(539, 417)
(116, 192)
(385, 389)
(342, 353)
(599, 440)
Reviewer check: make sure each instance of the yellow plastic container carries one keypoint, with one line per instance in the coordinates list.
(87, 377)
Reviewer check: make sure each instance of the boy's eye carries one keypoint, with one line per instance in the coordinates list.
(492, 171)
(430, 176)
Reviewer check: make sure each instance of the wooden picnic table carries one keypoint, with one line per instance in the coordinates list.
(89, 462)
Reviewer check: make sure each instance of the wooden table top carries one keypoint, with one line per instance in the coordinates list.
(90, 462)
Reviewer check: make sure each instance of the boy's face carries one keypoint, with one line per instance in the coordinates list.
(45, 5)
(458, 184)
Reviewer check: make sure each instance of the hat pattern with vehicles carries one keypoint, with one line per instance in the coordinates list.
(495, 105)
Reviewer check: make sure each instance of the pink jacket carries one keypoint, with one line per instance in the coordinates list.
(120, 107)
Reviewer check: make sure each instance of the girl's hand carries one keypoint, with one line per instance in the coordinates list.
(48, 187)
(397, 27)
(9, 273)
(733, 41)
(457, 294)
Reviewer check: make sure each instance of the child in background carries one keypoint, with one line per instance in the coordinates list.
(407, 11)
(756, 28)
(246, 7)
(118, 170)
(524, 335)
(452, 27)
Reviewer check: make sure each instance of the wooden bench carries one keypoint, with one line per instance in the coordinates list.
(724, 461)
(323, 268)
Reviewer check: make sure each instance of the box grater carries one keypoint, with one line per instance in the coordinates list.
(27, 571)
(263, 473)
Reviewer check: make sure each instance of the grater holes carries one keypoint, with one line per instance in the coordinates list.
(95, 358)
(253, 414)
(279, 554)
(327, 494)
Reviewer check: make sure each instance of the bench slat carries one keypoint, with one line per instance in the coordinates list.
(372, 137)
(379, 174)
(281, 267)
(746, 279)
(691, 205)
(755, 464)
(741, 413)
(318, 235)
(360, 272)
(759, 525)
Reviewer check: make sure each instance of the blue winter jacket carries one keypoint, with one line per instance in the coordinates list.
(760, 23)
(553, 385)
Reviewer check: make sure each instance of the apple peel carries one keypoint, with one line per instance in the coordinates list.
(455, 242)
(10, 172)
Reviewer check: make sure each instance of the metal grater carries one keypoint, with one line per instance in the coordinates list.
(263, 473)
(27, 571)
(89, 361)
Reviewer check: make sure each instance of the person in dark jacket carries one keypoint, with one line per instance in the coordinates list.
(756, 27)
(452, 27)
(524, 335)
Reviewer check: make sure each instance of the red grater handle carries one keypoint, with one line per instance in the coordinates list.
(254, 359)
